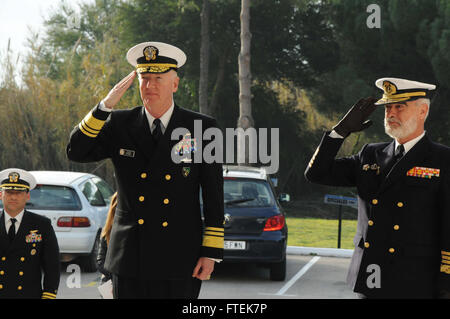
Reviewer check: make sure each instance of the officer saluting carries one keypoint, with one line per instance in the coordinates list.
(159, 246)
(28, 245)
(402, 241)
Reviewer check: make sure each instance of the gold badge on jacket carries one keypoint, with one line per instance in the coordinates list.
(423, 172)
(373, 167)
(33, 237)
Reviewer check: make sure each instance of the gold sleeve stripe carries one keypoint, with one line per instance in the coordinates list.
(85, 132)
(213, 241)
(49, 294)
(446, 262)
(92, 122)
(88, 129)
(446, 257)
(213, 234)
(445, 253)
(215, 229)
(445, 269)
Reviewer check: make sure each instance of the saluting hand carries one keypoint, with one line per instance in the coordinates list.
(204, 268)
(119, 90)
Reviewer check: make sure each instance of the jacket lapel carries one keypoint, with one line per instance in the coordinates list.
(415, 155)
(141, 134)
(4, 242)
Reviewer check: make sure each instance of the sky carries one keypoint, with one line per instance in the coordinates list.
(17, 15)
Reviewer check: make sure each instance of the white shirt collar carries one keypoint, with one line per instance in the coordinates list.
(165, 118)
(18, 217)
(409, 145)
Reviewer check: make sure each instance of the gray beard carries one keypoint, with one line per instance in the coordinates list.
(405, 129)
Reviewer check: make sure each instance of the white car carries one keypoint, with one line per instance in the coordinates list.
(77, 204)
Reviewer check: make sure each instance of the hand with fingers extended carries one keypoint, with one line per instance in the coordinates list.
(119, 90)
(356, 118)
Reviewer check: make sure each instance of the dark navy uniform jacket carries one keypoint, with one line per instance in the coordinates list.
(403, 230)
(158, 232)
(33, 254)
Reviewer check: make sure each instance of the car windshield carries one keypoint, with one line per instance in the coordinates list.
(51, 197)
(247, 192)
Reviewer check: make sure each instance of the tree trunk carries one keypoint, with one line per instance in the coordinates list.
(245, 120)
(204, 60)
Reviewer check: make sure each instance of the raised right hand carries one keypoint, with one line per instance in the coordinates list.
(356, 118)
(119, 90)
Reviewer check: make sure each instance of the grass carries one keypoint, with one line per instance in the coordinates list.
(313, 232)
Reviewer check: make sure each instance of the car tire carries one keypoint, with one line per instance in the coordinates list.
(89, 263)
(278, 271)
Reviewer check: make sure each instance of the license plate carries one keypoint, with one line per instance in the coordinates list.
(239, 245)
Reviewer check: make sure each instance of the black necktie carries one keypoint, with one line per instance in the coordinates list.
(12, 230)
(398, 154)
(157, 132)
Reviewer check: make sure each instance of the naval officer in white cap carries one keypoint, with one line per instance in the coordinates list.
(402, 241)
(29, 252)
(159, 246)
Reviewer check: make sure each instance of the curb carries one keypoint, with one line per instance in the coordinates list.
(324, 252)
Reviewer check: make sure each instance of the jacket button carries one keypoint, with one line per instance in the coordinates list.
(396, 227)
(141, 198)
(22, 258)
(140, 221)
(2, 272)
(366, 244)
(19, 288)
(166, 201)
(20, 273)
(374, 201)
(400, 204)
(1, 286)
(370, 222)
(144, 175)
(168, 177)
(3, 258)
(391, 250)
(165, 224)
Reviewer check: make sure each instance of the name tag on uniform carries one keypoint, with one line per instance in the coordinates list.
(128, 153)
(423, 172)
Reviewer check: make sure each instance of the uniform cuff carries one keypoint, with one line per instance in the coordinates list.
(48, 295)
(93, 122)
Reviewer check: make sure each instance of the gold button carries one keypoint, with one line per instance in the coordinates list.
(374, 201)
(400, 204)
(168, 177)
(370, 222)
(34, 245)
(140, 221)
(19, 288)
(165, 224)
(396, 227)
(391, 250)
(166, 201)
(20, 273)
(366, 244)
(1, 286)
(2, 272)
(3, 258)
(144, 175)
(141, 198)
(22, 258)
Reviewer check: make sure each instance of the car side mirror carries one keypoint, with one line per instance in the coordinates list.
(274, 181)
(284, 198)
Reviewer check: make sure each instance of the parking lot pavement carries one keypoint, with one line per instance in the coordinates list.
(307, 277)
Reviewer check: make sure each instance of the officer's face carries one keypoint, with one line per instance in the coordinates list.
(157, 89)
(404, 119)
(14, 201)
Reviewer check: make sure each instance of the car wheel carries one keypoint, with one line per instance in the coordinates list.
(89, 262)
(278, 271)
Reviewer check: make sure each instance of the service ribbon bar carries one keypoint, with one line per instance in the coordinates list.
(423, 172)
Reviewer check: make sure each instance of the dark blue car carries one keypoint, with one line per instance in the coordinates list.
(255, 226)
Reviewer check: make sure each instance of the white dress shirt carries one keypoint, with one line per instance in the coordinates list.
(8, 222)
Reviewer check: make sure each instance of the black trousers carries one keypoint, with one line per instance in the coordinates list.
(135, 288)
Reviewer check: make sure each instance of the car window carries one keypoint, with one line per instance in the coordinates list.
(92, 194)
(51, 197)
(247, 192)
(104, 189)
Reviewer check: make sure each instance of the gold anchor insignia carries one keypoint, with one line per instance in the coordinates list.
(150, 53)
(389, 88)
(13, 177)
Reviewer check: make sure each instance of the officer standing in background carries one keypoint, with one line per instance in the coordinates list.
(28, 245)
(158, 247)
(402, 242)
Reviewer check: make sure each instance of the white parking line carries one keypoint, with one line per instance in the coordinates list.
(297, 276)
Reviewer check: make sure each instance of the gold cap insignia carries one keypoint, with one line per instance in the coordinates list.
(150, 53)
(389, 88)
(13, 177)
